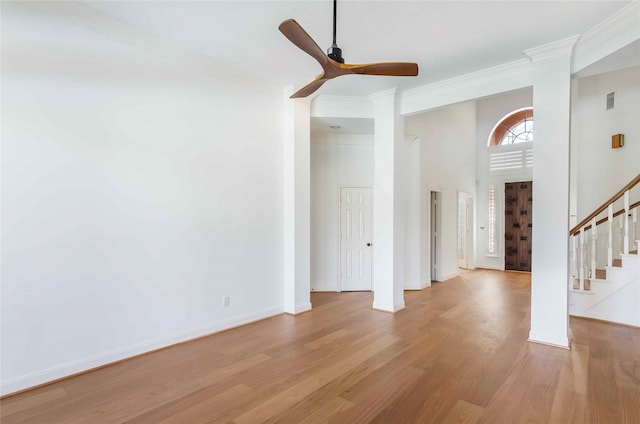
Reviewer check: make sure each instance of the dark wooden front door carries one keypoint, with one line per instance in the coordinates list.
(518, 206)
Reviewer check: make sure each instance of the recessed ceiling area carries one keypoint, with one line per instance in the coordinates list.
(626, 57)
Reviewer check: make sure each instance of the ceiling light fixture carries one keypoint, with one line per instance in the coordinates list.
(333, 64)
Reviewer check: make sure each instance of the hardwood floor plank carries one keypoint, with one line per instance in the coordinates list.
(329, 338)
(369, 396)
(629, 405)
(568, 402)
(294, 394)
(458, 352)
(603, 392)
(326, 412)
(13, 405)
(463, 413)
(211, 409)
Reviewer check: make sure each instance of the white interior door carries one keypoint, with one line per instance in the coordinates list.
(355, 239)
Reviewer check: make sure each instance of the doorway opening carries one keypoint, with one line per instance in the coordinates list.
(465, 231)
(436, 218)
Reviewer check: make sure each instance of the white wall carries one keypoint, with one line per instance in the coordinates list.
(448, 153)
(601, 170)
(412, 221)
(340, 161)
(347, 161)
(134, 197)
(489, 112)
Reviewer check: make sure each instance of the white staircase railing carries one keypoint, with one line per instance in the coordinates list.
(584, 237)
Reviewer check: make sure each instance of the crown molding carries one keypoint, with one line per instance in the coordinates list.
(497, 79)
(385, 94)
(617, 31)
(553, 50)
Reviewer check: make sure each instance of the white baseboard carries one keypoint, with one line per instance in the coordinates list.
(489, 266)
(413, 286)
(450, 275)
(300, 308)
(387, 308)
(324, 288)
(66, 370)
(555, 341)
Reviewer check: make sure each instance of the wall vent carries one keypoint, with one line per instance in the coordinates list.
(610, 100)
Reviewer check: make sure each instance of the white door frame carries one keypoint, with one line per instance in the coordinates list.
(435, 248)
(469, 260)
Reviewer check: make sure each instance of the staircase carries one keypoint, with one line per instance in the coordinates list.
(605, 271)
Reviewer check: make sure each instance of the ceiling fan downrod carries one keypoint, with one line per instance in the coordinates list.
(335, 52)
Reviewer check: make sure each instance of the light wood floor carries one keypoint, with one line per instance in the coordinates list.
(457, 354)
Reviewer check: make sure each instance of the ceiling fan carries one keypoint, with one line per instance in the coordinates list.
(332, 63)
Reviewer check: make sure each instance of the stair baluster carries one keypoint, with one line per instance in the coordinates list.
(582, 249)
(594, 238)
(634, 220)
(626, 223)
(621, 231)
(574, 260)
(610, 227)
(616, 298)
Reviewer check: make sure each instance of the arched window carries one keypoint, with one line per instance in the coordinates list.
(517, 127)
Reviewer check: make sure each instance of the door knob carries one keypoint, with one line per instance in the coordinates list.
(368, 244)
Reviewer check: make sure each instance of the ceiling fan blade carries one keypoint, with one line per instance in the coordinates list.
(298, 36)
(309, 88)
(398, 69)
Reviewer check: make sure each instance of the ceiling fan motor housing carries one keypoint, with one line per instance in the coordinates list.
(335, 53)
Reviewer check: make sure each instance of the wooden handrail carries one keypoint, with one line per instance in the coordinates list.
(606, 218)
(575, 230)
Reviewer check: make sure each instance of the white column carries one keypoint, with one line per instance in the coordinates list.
(551, 104)
(297, 188)
(388, 222)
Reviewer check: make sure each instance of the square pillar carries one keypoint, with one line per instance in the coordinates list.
(550, 247)
(297, 208)
(388, 222)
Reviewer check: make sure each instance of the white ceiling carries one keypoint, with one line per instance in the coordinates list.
(445, 38)
(239, 39)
